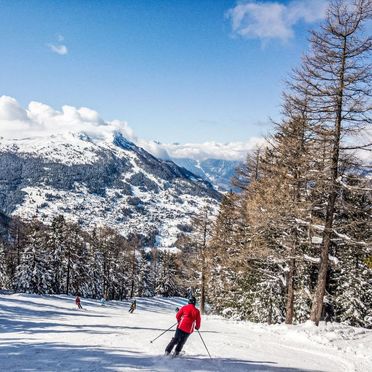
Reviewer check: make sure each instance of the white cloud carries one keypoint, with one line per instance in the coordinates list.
(214, 150)
(59, 49)
(274, 20)
(41, 120)
(11, 110)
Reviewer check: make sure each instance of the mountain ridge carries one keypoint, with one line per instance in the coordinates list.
(95, 181)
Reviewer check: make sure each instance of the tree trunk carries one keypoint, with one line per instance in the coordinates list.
(202, 294)
(203, 269)
(317, 306)
(290, 292)
(270, 315)
(104, 289)
(18, 247)
(133, 271)
(68, 273)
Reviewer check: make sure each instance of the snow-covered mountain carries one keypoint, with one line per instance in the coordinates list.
(216, 171)
(109, 181)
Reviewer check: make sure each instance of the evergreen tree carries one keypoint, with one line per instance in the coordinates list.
(145, 280)
(226, 267)
(77, 279)
(4, 274)
(95, 265)
(17, 236)
(352, 279)
(134, 243)
(60, 264)
(34, 275)
(166, 284)
(120, 266)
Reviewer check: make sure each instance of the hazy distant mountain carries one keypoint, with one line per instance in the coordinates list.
(217, 171)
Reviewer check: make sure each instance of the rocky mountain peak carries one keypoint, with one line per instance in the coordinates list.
(100, 180)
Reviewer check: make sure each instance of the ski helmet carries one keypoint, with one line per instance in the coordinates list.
(192, 300)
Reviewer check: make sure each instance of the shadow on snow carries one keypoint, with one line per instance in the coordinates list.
(60, 357)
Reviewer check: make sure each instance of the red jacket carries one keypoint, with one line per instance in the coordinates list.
(188, 317)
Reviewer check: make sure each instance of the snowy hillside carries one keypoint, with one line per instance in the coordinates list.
(49, 334)
(216, 171)
(106, 181)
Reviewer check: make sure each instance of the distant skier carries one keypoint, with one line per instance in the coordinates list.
(133, 306)
(78, 302)
(188, 318)
(103, 301)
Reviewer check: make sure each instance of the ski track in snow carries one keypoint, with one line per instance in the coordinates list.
(47, 333)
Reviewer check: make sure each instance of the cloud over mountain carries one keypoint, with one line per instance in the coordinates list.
(39, 119)
(213, 150)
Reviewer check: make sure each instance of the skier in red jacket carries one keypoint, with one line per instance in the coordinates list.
(77, 302)
(188, 318)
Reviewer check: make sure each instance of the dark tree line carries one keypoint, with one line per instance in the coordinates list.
(61, 258)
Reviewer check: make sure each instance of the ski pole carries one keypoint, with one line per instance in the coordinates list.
(204, 344)
(163, 333)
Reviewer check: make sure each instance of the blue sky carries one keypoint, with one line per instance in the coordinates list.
(175, 70)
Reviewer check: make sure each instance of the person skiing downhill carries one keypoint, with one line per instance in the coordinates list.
(78, 302)
(133, 307)
(188, 318)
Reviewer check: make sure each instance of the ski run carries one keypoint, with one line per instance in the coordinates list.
(48, 333)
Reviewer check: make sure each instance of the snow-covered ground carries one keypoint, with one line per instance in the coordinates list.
(47, 333)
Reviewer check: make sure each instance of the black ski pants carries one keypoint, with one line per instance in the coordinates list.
(179, 339)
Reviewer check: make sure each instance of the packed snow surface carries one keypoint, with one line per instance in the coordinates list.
(48, 333)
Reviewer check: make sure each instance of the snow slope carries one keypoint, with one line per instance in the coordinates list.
(47, 333)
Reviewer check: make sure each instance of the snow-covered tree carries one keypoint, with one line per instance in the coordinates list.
(336, 75)
(34, 274)
(145, 277)
(60, 252)
(166, 280)
(4, 271)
